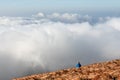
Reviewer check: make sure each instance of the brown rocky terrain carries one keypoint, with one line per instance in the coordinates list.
(99, 71)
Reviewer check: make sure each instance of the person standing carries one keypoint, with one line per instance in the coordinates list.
(78, 65)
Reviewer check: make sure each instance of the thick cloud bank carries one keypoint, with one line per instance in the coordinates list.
(49, 42)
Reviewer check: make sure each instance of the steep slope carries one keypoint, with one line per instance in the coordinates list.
(99, 71)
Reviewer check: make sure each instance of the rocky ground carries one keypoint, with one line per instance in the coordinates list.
(99, 71)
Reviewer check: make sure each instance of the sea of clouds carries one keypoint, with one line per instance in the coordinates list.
(48, 42)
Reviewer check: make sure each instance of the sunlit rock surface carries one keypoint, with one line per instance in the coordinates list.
(109, 70)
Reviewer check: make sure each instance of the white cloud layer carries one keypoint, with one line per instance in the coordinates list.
(49, 42)
(64, 17)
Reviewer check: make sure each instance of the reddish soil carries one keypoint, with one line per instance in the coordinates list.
(99, 71)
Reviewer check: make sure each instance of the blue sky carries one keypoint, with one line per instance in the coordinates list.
(21, 7)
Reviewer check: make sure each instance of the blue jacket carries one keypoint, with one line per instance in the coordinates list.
(78, 65)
